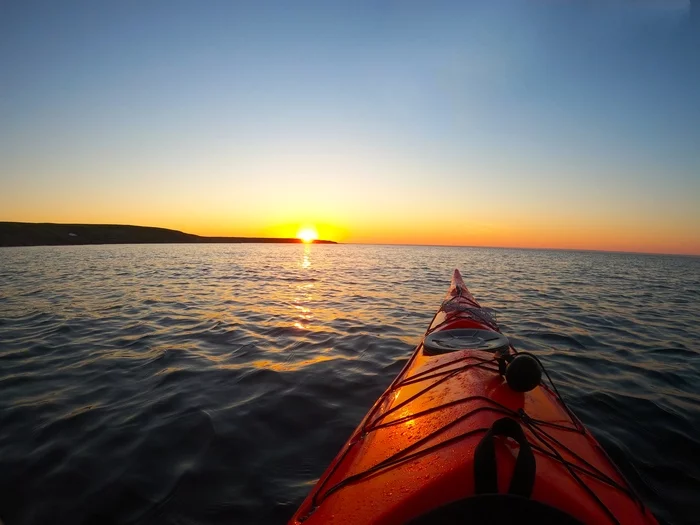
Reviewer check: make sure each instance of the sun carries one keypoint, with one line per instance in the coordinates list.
(307, 234)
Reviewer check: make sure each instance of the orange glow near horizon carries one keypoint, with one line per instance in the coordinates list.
(506, 233)
(431, 226)
(384, 199)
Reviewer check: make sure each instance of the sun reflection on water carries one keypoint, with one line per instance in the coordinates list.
(303, 295)
(306, 259)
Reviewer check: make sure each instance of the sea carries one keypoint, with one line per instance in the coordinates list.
(212, 384)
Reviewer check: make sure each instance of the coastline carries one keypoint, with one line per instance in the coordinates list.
(53, 234)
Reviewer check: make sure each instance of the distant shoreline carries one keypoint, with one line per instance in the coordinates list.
(52, 234)
(16, 234)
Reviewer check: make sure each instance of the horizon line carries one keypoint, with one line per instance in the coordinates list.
(532, 248)
(330, 241)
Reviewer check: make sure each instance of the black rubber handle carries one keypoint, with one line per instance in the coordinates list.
(485, 471)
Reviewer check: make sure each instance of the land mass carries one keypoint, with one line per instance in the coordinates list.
(49, 234)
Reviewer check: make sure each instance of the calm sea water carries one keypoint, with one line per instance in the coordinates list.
(211, 384)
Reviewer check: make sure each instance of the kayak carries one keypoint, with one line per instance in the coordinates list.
(470, 432)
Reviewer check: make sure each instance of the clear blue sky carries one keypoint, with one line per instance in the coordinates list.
(529, 123)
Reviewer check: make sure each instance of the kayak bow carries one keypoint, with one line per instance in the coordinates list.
(434, 448)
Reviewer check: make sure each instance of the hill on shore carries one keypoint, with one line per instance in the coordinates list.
(49, 234)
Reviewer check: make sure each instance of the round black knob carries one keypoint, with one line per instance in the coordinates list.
(523, 373)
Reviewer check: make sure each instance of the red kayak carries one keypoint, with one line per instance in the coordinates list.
(469, 433)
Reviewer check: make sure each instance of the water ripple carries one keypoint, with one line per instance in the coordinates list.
(213, 383)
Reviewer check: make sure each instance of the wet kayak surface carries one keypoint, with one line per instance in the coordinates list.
(214, 383)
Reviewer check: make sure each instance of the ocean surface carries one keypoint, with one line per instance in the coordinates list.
(212, 384)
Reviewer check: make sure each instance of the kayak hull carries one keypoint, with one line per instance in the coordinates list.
(414, 450)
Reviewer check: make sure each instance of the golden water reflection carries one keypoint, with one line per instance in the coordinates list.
(303, 294)
(291, 366)
(306, 259)
(302, 300)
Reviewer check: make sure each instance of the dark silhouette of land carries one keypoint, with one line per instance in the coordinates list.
(49, 234)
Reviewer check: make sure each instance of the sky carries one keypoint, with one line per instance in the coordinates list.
(503, 123)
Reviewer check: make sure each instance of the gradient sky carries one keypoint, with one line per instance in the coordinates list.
(500, 123)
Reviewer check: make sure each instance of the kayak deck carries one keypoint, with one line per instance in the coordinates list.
(414, 451)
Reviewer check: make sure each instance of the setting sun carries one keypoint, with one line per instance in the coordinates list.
(307, 234)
